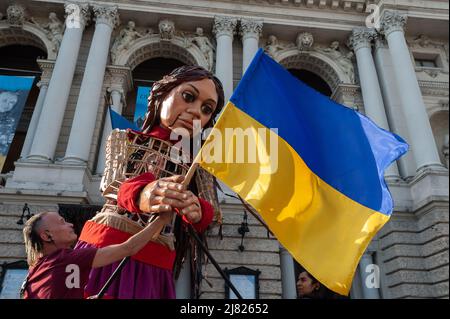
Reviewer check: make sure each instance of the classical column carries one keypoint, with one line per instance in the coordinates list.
(116, 106)
(360, 41)
(49, 126)
(118, 80)
(392, 103)
(83, 125)
(422, 141)
(288, 280)
(46, 67)
(43, 86)
(224, 30)
(368, 291)
(250, 32)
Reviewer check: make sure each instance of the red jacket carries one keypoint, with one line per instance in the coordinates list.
(153, 253)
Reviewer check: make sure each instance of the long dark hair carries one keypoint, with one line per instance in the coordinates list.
(163, 87)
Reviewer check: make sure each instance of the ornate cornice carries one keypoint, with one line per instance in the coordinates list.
(106, 15)
(77, 14)
(393, 21)
(224, 26)
(361, 38)
(47, 69)
(250, 28)
(119, 78)
(434, 88)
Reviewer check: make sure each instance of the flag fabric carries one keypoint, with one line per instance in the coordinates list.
(326, 197)
(118, 121)
(143, 92)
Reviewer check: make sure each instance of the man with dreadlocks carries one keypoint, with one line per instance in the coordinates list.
(59, 272)
(187, 95)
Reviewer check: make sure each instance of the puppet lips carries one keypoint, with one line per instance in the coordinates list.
(186, 123)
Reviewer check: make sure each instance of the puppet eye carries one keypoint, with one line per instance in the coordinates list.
(207, 109)
(188, 96)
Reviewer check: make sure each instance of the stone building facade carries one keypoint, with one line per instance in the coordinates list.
(389, 60)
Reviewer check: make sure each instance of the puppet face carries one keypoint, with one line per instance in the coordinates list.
(7, 101)
(195, 100)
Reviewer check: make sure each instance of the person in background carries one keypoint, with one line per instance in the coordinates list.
(309, 287)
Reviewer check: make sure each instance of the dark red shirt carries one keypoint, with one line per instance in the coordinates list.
(60, 275)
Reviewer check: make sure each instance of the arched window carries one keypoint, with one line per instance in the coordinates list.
(20, 60)
(313, 80)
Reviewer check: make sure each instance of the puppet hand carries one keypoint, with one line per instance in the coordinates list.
(163, 195)
(192, 209)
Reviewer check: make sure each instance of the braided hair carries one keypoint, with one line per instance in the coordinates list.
(33, 242)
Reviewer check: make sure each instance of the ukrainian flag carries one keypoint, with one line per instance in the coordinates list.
(319, 183)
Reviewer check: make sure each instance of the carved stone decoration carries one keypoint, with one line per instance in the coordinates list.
(251, 28)
(54, 30)
(205, 46)
(224, 26)
(349, 95)
(393, 21)
(166, 29)
(341, 57)
(122, 42)
(15, 15)
(304, 41)
(361, 38)
(46, 67)
(107, 15)
(77, 14)
(272, 46)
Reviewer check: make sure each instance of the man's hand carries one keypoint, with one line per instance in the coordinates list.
(163, 195)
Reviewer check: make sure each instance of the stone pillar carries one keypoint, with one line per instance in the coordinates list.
(118, 80)
(368, 292)
(250, 32)
(47, 69)
(43, 86)
(360, 41)
(49, 126)
(116, 106)
(288, 280)
(392, 103)
(83, 125)
(422, 141)
(224, 28)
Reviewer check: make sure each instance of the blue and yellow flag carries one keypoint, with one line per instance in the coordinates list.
(318, 182)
